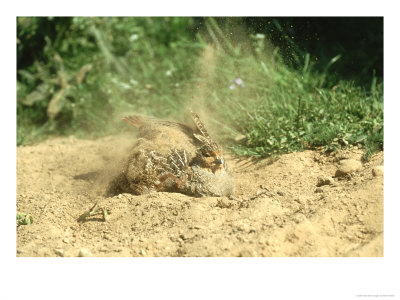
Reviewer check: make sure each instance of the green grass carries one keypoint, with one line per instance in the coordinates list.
(154, 66)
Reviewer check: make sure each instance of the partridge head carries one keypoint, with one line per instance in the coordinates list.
(209, 154)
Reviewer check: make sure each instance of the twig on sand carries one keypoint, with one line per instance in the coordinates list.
(95, 210)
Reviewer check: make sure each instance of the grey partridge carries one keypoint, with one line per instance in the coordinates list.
(173, 157)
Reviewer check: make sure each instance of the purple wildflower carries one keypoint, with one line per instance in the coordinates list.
(239, 81)
(236, 82)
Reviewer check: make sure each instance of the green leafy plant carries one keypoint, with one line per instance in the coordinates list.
(24, 219)
(280, 110)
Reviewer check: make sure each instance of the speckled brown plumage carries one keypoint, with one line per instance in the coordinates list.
(173, 157)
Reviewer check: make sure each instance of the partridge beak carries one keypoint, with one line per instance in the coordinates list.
(219, 160)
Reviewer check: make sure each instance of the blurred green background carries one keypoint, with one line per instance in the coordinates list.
(265, 86)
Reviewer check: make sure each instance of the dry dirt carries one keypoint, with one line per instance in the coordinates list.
(277, 210)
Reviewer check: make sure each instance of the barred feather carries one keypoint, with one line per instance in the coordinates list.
(200, 125)
(135, 121)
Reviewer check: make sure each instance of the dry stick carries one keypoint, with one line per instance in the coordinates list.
(93, 211)
(86, 213)
(80, 76)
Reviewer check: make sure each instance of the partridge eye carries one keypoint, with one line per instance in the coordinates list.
(206, 155)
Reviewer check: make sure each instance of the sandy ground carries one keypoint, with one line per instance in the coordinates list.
(278, 209)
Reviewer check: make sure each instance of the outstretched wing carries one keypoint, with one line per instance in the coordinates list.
(139, 121)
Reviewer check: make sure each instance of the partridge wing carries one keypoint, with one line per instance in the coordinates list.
(139, 121)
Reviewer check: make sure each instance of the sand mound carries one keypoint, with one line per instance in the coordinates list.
(294, 206)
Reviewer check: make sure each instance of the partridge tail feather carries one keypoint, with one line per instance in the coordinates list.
(199, 124)
(136, 121)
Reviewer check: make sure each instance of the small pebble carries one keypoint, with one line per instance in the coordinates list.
(280, 193)
(324, 180)
(107, 237)
(84, 253)
(66, 240)
(348, 166)
(377, 171)
(319, 190)
(260, 192)
(59, 252)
